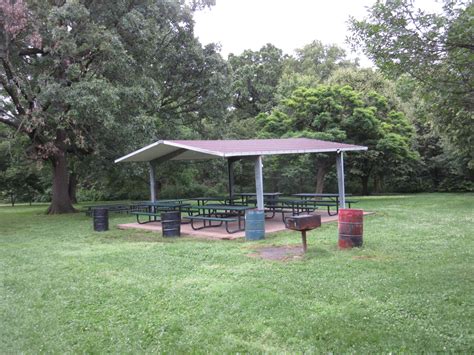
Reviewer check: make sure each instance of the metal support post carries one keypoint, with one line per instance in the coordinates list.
(340, 179)
(259, 182)
(152, 181)
(230, 168)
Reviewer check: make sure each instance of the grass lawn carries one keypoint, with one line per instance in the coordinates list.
(65, 288)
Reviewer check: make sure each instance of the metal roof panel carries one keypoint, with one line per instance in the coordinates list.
(207, 149)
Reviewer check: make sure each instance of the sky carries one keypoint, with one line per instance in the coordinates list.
(288, 24)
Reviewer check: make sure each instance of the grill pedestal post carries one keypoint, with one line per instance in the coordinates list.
(303, 223)
(303, 236)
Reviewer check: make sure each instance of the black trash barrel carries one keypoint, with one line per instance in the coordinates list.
(171, 224)
(101, 219)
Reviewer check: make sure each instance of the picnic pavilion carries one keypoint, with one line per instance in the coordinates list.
(234, 150)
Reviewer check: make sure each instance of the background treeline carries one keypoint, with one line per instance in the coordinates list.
(83, 82)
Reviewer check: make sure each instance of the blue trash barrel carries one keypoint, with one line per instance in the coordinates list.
(254, 224)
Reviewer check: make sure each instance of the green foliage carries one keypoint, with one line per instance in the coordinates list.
(20, 180)
(78, 76)
(312, 65)
(436, 50)
(88, 81)
(255, 74)
(20, 183)
(319, 60)
(342, 114)
(440, 164)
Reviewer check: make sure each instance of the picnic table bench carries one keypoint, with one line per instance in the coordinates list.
(152, 216)
(351, 201)
(325, 200)
(250, 197)
(117, 208)
(153, 209)
(295, 207)
(211, 219)
(226, 200)
(220, 213)
(327, 204)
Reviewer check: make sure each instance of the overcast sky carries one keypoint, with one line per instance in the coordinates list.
(288, 24)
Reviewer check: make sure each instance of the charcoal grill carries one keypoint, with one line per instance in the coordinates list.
(303, 223)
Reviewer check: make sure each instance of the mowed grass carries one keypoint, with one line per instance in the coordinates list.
(65, 288)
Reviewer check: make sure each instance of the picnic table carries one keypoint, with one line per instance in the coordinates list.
(112, 207)
(283, 206)
(145, 205)
(153, 209)
(219, 213)
(247, 196)
(220, 199)
(324, 199)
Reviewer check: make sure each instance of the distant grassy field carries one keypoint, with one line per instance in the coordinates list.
(65, 288)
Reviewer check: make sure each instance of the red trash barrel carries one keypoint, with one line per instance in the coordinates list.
(351, 224)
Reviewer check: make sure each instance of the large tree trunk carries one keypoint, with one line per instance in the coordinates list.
(61, 202)
(378, 184)
(320, 176)
(72, 187)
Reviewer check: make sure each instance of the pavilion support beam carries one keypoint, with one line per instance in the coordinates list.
(152, 167)
(259, 182)
(230, 168)
(169, 156)
(340, 179)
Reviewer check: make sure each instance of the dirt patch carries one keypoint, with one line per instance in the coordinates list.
(281, 253)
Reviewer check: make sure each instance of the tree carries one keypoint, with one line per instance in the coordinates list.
(434, 48)
(312, 65)
(75, 75)
(19, 179)
(440, 168)
(340, 113)
(368, 82)
(255, 75)
(319, 60)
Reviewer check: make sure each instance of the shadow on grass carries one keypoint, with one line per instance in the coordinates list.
(286, 253)
(148, 237)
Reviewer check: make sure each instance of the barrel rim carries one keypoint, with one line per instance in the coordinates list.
(346, 210)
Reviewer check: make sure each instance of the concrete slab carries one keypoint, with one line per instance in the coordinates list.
(219, 233)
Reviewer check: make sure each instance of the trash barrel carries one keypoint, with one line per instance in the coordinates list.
(350, 228)
(101, 219)
(171, 224)
(254, 224)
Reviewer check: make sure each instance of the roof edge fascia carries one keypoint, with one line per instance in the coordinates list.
(129, 155)
(298, 151)
(199, 150)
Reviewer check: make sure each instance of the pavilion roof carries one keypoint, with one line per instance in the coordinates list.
(208, 149)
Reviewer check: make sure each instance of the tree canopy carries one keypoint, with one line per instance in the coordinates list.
(255, 74)
(76, 72)
(83, 82)
(436, 49)
(342, 114)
